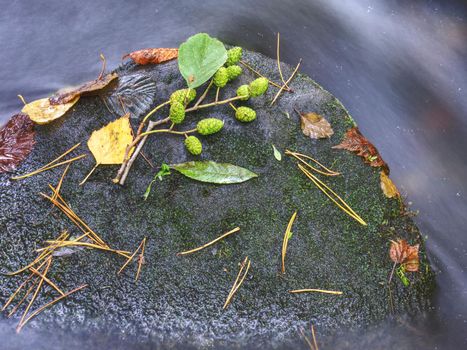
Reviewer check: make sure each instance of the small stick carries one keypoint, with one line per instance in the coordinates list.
(102, 57)
(288, 81)
(203, 96)
(140, 259)
(286, 239)
(48, 168)
(147, 159)
(169, 131)
(89, 174)
(154, 110)
(315, 291)
(22, 99)
(217, 93)
(299, 156)
(236, 229)
(262, 76)
(42, 308)
(279, 60)
(238, 283)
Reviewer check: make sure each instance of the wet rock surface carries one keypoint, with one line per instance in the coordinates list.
(178, 300)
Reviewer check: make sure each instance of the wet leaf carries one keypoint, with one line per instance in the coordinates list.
(218, 173)
(388, 187)
(89, 87)
(109, 143)
(402, 253)
(401, 274)
(315, 126)
(42, 112)
(16, 141)
(153, 56)
(199, 58)
(355, 142)
(277, 154)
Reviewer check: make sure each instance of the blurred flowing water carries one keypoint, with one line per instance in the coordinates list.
(400, 68)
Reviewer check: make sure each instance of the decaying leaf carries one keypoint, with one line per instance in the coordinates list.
(153, 56)
(16, 141)
(405, 254)
(42, 112)
(354, 141)
(315, 126)
(218, 173)
(109, 143)
(277, 154)
(89, 87)
(388, 187)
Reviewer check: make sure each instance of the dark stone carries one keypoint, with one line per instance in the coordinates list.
(179, 299)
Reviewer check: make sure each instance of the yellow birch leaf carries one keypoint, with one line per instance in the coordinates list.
(108, 144)
(42, 112)
(388, 187)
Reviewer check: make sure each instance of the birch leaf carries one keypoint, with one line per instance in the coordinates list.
(108, 144)
(43, 112)
(405, 254)
(218, 173)
(388, 187)
(315, 126)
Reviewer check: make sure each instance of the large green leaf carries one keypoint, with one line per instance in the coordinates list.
(199, 58)
(218, 173)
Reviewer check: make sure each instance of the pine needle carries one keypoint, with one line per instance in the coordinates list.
(296, 291)
(131, 257)
(57, 245)
(286, 239)
(46, 279)
(25, 296)
(236, 229)
(42, 308)
(140, 259)
(278, 50)
(238, 281)
(314, 345)
(333, 196)
(59, 185)
(262, 76)
(35, 172)
(300, 157)
(283, 87)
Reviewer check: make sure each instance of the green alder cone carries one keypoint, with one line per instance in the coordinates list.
(193, 145)
(183, 96)
(245, 114)
(234, 72)
(258, 87)
(221, 78)
(209, 126)
(233, 56)
(244, 90)
(177, 112)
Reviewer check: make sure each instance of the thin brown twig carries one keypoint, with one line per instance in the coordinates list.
(286, 239)
(203, 96)
(236, 229)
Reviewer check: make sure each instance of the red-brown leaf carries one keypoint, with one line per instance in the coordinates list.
(90, 86)
(16, 141)
(403, 253)
(153, 56)
(354, 141)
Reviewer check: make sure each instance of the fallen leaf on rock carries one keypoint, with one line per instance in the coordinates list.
(90, 86)
(16, 141)
(388, 187)
(405, 254)
(315, 126)
(152, 56)
(108, 144)
(354, 141)
(218, 173)
(42, 112)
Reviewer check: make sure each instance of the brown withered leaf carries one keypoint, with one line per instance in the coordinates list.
(152, 56)
(388, 187)
(315, 126)
(89, 87)
(354, 141)
(403, 253)
(16, 141)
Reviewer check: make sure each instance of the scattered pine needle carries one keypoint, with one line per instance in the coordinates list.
(59, 185)
(46, 279)
(301, 158)
(236, 229)
(278, 50)
(52, 164)
(60, 244)
(262, 76)
(42, 308)
(296, 291)
(286, 239)
(283, 87)
(131, 257)
(25, 296)
(312, 343)
(238, 281)
(333, 196)
(141, 259)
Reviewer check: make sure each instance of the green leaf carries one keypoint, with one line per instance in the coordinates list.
(165, 171)
(199, 58)
(401, 274)
(277, 154)
(218, 173)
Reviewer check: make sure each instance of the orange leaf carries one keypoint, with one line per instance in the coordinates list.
(152, 56)
(403, 253)
(355, 142)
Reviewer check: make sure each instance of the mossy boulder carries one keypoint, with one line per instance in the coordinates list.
(179, 299)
